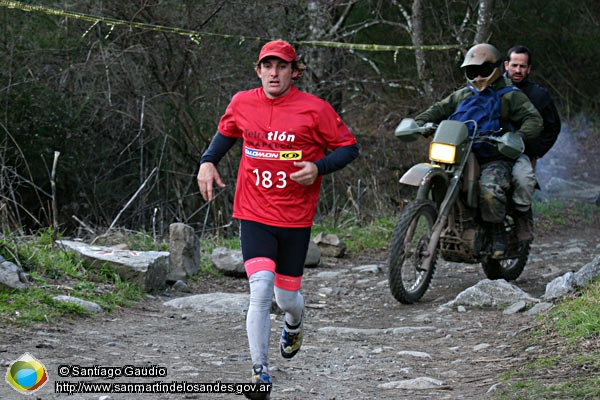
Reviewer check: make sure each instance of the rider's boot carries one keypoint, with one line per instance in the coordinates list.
(524, 225)
(499, 244)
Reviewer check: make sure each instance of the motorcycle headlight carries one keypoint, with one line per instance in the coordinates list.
(444, 153)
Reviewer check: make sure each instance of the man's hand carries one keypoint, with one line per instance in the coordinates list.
(207, 177)
(307, 174)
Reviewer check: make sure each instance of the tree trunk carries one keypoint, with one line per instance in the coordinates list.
(417, 34)
(315, 56)
(485, 18)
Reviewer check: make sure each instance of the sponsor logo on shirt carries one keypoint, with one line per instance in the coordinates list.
(291, 155)
(272, 155)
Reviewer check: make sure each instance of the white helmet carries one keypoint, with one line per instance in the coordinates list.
(482, 66)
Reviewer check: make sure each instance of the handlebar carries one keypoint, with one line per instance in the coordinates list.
(409, 131)
(510, 144)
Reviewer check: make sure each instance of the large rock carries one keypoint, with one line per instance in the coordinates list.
(570, 281)
(185, 252)
(313, 255)
(147, 269)
(330, 245)
(229, 262)
(491, 293)
(11, 275)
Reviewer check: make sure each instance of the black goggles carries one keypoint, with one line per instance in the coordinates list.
(484, 70)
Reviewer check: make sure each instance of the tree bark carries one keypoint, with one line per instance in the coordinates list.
(417, 34)
(315, 56)
(485, 18)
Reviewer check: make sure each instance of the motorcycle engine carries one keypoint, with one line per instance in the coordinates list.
(473, 239)
(463, 238)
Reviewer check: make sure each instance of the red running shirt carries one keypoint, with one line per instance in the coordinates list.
(276, 132)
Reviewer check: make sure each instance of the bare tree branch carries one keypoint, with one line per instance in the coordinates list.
(131, 200)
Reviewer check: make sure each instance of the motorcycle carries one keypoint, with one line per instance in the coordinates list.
(443, 220)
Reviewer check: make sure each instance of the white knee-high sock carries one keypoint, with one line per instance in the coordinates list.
(292, 303)
(258, 321)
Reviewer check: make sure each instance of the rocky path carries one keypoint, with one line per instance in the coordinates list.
(359, 342)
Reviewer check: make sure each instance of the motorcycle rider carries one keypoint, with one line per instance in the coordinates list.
(483, 68)
(518, 67)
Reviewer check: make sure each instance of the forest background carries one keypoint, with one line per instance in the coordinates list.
(106, 106)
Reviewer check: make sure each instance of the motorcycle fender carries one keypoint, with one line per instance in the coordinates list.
(422, 174)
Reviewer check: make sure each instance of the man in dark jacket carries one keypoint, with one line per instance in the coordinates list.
(483, 70)
(518, 67)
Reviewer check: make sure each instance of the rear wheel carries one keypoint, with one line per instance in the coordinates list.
(407, 279)
(512, 267)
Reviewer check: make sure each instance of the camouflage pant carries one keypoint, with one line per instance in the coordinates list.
(523, 181)
(494, 184)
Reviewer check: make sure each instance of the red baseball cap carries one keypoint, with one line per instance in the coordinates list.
(278, 48)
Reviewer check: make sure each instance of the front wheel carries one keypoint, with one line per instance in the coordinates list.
(407, 279)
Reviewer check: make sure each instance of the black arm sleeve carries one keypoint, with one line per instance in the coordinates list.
(549, 134)
(217, 148)
(337, 159)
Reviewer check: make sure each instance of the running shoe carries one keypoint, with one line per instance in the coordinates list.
(291, 339)
(259, 377)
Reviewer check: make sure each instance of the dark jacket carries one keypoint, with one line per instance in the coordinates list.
(543, 103)
(515, 108)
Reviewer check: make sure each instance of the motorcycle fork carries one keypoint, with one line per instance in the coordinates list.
(441, 221)
(445, 208)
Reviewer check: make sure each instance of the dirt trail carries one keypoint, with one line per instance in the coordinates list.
(357, 337)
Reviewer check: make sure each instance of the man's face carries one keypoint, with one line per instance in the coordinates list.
(276, 76)
(517, 68)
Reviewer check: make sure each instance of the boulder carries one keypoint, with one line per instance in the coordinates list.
(147, 269)
(185, 252)
(11, 276)
(330, 245)
(228, 262)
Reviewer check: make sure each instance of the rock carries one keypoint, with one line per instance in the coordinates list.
(213, 302)
(563, 188)
(147, 269)
(570, 281)
(11, 276)
(495, 387)
(231, 262)
(490, 293)
(180, 286)
(417, 354)
(330, 245)
(420, 383)
(313, 255)
(228, 262)
(329, 274)
(408, 330)
(88, 305)
(340, 330)
(588, 272)
(539, 308)
(515, 308)
(372, 268)
(560, 286)
(185, 252)
(404, 330)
